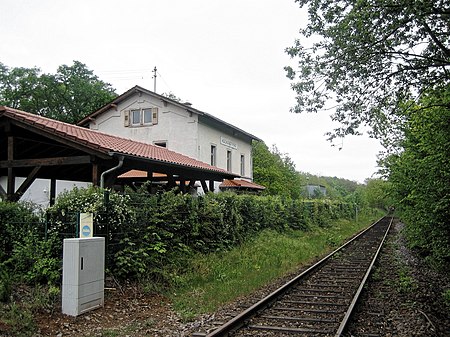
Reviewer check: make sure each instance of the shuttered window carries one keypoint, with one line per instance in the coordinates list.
(139, 117)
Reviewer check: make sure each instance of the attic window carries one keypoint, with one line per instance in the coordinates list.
(135, 117)
(141, 117)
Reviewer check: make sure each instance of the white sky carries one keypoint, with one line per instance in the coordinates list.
(225, 57)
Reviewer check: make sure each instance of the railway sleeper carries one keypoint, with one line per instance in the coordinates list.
(306, 310)
(314, 303)
(287, 329)
(301, 319)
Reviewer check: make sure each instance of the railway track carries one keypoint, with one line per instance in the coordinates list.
(319, 301)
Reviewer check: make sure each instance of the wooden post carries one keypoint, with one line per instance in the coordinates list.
(11, 188)
(183, 186)
(95, 174)
(204, 186)
(52, 191)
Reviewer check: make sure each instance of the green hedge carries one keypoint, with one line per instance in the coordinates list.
(146, 233)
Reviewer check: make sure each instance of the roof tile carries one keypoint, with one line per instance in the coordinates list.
(108, 143)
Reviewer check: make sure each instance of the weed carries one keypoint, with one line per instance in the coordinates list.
(376, 275)
(149, 323)
(43, 297)
(406, 282)
(19, 320)
(110, 333)
(446, 296)
(5, 286)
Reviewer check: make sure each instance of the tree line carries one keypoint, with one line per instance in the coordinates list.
(385, 65)
(70, 94)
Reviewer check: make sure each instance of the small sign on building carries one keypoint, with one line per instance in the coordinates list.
(228, 143)
(86, 225)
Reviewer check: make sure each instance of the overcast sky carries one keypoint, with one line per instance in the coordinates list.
(225, 57)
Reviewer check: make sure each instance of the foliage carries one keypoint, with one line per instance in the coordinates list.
(275, 171)
(368, 57)
(210, 280)
(114, 215)
(16, 220)
(446, 297)
(420, 175)
(152, 236)
(5, 285)
(35, 260)
(17, 321)
(69, 95)
(172, 96)
(378, 194)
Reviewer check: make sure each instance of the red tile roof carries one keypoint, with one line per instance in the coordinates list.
(106, 143)
(238, 183)
(140, 174)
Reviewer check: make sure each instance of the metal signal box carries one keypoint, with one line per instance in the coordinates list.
(83, 275)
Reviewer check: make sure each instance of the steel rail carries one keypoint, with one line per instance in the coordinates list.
(361, 286)
(239, 320)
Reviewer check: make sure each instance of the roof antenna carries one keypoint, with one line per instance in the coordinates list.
(154, 80)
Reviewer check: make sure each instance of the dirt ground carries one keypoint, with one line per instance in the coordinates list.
(404, 298)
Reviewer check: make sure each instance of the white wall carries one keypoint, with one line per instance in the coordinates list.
(39, 191)
(209, 136)
(179, 128)
(175, 125)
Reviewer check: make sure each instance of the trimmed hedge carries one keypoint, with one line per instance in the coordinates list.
(146, 233)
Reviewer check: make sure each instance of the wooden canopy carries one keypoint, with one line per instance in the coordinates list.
(34, 147)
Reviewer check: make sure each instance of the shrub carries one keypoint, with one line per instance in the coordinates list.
(5, 285)
(16, 219)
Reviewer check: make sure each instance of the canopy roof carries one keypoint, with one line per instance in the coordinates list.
(33, 146)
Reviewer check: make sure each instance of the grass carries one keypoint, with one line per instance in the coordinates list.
(216, 279)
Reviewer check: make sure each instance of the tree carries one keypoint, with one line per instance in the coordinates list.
(172, 96)
(275, 171)
(378, 193)
(69, 95)
(369, 56)
(17, 87)
(421, 173)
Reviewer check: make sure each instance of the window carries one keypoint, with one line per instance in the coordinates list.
(242, 165)
(229, 160)
(136, 117)
(147, 114)
(162, 144)
(213, 155)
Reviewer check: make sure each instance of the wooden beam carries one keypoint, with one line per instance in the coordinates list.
(183, 185)
(171, 181)
(56, 161)
(204, 186)
(63, 139)
(27, 183)
(52, 193)
(95, 175)
(11, 187)
(211, 185)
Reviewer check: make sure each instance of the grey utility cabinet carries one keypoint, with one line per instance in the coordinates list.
(83, 275)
